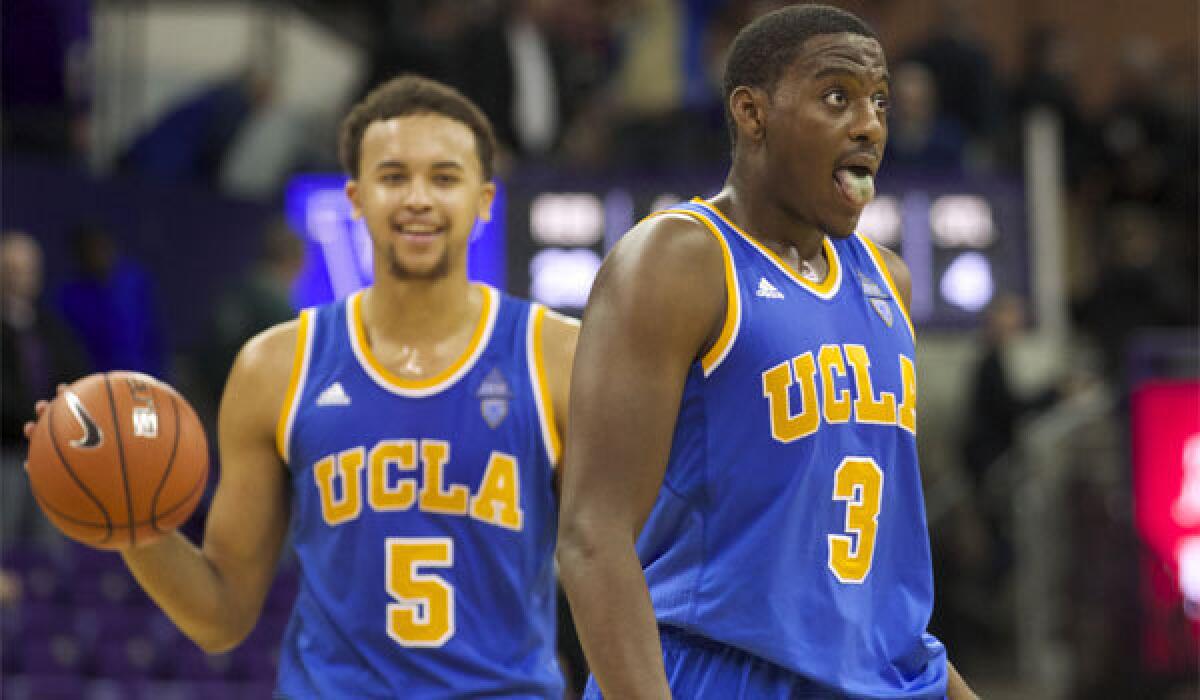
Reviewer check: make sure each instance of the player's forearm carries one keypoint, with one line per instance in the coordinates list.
(957, 688)
(190, 590)
(614, 617)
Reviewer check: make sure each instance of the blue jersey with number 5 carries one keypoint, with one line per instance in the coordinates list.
(423, 515)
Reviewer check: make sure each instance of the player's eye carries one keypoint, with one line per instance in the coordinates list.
(881, 101)
(445, 179)
(392, 178)
(835, 98)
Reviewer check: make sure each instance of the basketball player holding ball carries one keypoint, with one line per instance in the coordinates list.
(408, 434)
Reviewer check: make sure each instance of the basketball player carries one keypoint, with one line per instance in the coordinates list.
(407, 433)
(742, 511)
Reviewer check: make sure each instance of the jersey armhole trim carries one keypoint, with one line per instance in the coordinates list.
(733, 299)
(881, 265)
(534, 343)
(300, 362)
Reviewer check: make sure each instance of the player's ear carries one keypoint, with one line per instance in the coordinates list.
(748, 105)
(487, 195)
(352, 195)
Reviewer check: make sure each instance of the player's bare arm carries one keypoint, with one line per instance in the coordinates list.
(653, 310)
(214, 593)
(560, 334)
(957, 688)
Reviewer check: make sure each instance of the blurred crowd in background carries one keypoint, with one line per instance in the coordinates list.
(621, 86)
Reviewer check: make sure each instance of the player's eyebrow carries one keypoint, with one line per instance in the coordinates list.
(845, 70)
(390, 163)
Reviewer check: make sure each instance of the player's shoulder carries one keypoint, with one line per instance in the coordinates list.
(896, 267)
(269, 354)
(560, 335)
(671, 247)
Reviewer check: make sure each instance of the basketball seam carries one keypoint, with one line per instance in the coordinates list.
(112, 403)
(166, 473)
(75, 477)
(86, 523)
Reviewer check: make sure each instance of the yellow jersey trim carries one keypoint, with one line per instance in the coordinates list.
(534, 343)
(733, 297)
(881, 264)
(825, 289)
(417, 388)
(300, 360)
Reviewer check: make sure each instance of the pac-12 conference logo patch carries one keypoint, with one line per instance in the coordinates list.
(880, 300)
(494, 396)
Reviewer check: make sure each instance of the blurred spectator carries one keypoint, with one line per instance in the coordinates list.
(962, 68)
(46, 46)
(655, 126)
(1048, 81)
(111, 306)
(1139, 285)
(422, 36)
(512, 66)
(919, 135)
(995, 408)
(259, 300)
(39, 352)
(189, 143)
(1136, 132)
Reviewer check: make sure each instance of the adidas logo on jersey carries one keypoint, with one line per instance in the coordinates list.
(767, 290)
(334, 395)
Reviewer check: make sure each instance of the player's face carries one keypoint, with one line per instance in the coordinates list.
(827, 130)
(420, 189)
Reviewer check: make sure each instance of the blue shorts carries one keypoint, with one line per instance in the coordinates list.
(699, 668)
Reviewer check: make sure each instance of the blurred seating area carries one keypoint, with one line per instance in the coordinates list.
(80, 627)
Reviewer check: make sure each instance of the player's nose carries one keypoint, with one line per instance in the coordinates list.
(418, 196)
(868, 125)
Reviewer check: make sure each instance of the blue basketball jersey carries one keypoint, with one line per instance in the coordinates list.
(423, 515)
(790, 523)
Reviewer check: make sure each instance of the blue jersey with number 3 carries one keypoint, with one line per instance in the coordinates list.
(790, 523)
(423, 515)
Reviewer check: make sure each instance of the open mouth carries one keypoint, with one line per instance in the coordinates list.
(856, 183)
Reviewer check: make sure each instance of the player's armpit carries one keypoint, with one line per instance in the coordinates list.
(214, 593)
(654, 307)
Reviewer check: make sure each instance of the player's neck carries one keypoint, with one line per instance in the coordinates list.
(420, 310)
(748, 205)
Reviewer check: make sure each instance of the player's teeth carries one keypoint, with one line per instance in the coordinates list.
(861, 188)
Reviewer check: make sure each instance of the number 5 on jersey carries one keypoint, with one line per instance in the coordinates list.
(423, 614)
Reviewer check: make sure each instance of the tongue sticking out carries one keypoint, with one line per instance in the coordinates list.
(859, 188)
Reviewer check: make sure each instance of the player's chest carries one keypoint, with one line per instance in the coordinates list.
(813, 364)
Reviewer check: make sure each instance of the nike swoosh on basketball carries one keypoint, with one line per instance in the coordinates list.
(334, 395)
(92, 435)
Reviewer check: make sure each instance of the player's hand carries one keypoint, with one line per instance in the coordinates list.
(39, 408)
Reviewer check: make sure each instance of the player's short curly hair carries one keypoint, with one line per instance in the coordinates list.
(407, 95)
(764, 49)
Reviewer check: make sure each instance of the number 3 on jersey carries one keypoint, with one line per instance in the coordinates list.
(423, 614)
(859, 482)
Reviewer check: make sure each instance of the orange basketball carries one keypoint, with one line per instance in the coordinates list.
(118, 459)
